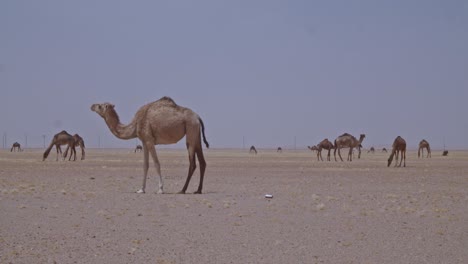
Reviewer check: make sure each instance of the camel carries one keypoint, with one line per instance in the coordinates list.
(16, 147)
(139, 148)
(372, 149)
(324, 144)
(79, 142)
(253, 150)
(399, 145)
(424, 145)
(279, 150)
(160, 122)
(61, 138)
(313, 148)
(384, 150)
(348, 141)
(445, 153)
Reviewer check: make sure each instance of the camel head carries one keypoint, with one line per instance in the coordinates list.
(390, 160)
(102, 109)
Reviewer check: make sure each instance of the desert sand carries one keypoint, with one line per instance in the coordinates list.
(321, 212)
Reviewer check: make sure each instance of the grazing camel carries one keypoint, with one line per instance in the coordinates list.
(399, 145)
(79, 142)
(159, 123)
(324, 144)
(313, 148)
(445, 153)
(139, 148)
(16, 147)
(348, 141)
(61, 138)
(424, 145)
(372, 149)
(279, 150)
(253, 150)
(384, 150)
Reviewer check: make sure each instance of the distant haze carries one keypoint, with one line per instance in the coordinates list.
(264, 73)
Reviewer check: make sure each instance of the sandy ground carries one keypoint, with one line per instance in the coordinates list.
(321, 212)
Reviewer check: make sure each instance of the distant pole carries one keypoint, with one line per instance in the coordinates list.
(43, 139)
(99, 142)
(4, 139)
(243, 142)
(25, 141)
(294, 142)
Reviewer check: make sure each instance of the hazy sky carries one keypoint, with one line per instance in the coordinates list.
(265, 70)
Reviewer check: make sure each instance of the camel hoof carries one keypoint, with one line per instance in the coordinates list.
(197, 192)
(181, 192)
(140, 191)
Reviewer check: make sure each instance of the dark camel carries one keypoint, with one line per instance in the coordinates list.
(279, 150)
(139, 148)
(16, 147)
(79, 142)
(348, 141)
(372, 150)
(61, 138)
(384, 150)
(160, 123)
(313, 148)
(253, 150)
(399, 145)
(424, 145)
(324, 144)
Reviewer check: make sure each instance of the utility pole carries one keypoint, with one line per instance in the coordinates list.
(25, 141)
(43, 139)
(294, 142)
(243, 142)
(99, 141)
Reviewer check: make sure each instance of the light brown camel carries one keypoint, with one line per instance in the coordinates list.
(253, 150)
(348, 141)
(138, 148)
(424, 145)
(159, 123)
(61, 138)
(372, 149)
(279, 150)
(79, 142)
(16, 147)
(324, 144)
(384, 150)
(399, 145)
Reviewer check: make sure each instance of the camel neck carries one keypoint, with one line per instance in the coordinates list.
(120, 130)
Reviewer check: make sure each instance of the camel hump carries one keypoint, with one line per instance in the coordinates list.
(167, 100)
(345, 135)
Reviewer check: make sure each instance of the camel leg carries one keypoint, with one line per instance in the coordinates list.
(319, 153)
(350, 154)
(157, 165)
(334, 154)
(192, 167)
(328, 155)
(145, 168)
(74, 153)
(403, 156)
(58, 150)
(202, 162)
(82, 153)
(339, 154)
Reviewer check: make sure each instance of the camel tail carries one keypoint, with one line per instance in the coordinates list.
(203, 133)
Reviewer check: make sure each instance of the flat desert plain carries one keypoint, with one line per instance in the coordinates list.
(321, 212)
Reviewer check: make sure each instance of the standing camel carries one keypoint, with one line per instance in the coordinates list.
(253, 150)
(79, 142)
(384, 150)
(139, 148)
(348, 141)
(61, 138)
(279, 150)
(16, 147)
(372, 150)
(399, 145)
(159, 123)
(424, 145)
(324, 144)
